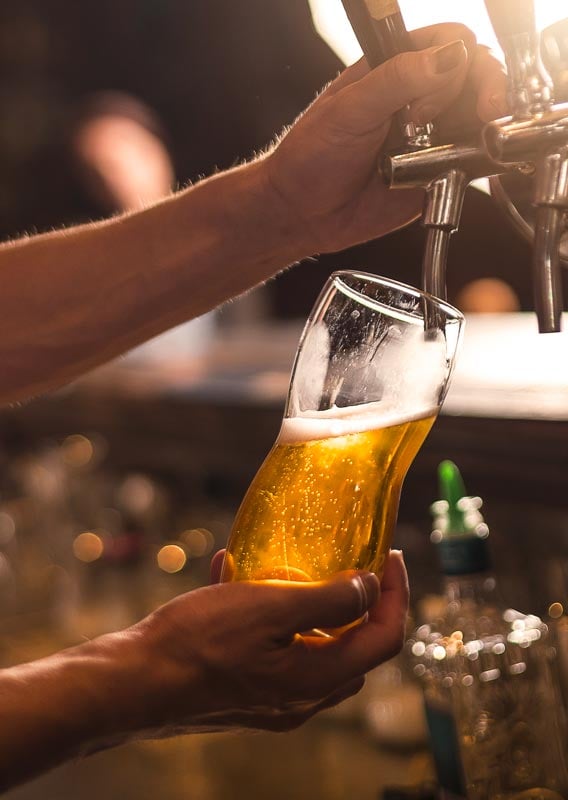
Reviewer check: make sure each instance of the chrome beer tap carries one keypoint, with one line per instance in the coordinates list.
(534, 138)
(533, 142)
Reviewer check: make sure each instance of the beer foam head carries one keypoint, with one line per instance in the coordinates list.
(411, 369)
(401, 366)
(343, 421)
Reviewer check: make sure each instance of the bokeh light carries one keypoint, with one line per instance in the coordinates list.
(77, 451)
(171, 558)
(137, 494)
(88, 547)
(555, 610)
(198, 542)
(7, 528)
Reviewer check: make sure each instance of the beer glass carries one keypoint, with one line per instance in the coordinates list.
(370, 374)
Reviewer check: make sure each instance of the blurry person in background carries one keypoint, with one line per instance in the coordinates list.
(120, 150)
(211, 83)
(226, 656)
(70, 72)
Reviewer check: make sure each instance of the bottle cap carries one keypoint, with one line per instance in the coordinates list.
(459, 532)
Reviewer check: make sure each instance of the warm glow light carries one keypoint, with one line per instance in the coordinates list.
(7, 528)
(439, 653)
(198, 542)
(137, 493)
(171, 558)
(555, 610)
(77, 450)
(418, 649)
(88, 547)
(5, 569)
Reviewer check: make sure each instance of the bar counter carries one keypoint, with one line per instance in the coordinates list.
(201, 423)
(508, 403)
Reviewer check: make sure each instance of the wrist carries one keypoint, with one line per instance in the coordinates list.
(113, 676)
(228, 233)
(69, 704)
(282, 224)
(255, 220)
(95, 692)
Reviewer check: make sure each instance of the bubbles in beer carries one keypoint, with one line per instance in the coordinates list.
(326, 497)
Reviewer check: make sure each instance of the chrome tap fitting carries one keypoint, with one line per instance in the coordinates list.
(533, 140)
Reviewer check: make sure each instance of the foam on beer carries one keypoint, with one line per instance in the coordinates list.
(336, 422)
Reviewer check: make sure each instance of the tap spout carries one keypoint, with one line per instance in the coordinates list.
(441, 217)
(550, 226)
(551, 201)
(435, 260)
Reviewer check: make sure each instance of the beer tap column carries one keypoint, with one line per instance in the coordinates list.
(537, 133)
(380, 29)
(534, 140)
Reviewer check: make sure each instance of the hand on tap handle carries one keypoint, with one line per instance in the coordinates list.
(380, 29)
(349, 201)
(382, 33)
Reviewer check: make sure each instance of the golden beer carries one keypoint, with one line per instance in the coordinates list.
(326, 497)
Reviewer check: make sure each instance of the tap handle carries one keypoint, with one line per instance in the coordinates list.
(554, 48)
(530, 86)
(360, 21)
(511, 18)
(379, 27)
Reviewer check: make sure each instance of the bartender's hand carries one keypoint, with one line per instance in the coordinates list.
(223, 657)
(324, 170)
(228, 655)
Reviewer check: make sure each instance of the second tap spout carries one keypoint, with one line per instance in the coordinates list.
(551, 200)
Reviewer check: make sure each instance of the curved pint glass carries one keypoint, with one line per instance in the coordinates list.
(371, 372)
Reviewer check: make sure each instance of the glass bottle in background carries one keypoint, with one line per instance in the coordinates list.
(488, 672)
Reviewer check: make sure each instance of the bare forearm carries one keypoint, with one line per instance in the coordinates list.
(67, 705)
(75, 298)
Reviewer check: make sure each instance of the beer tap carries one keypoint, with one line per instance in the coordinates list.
(379, 26)
(380, 29)
(537, 133)
(532, 141)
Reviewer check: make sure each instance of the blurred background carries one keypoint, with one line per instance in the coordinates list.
(115, 491)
